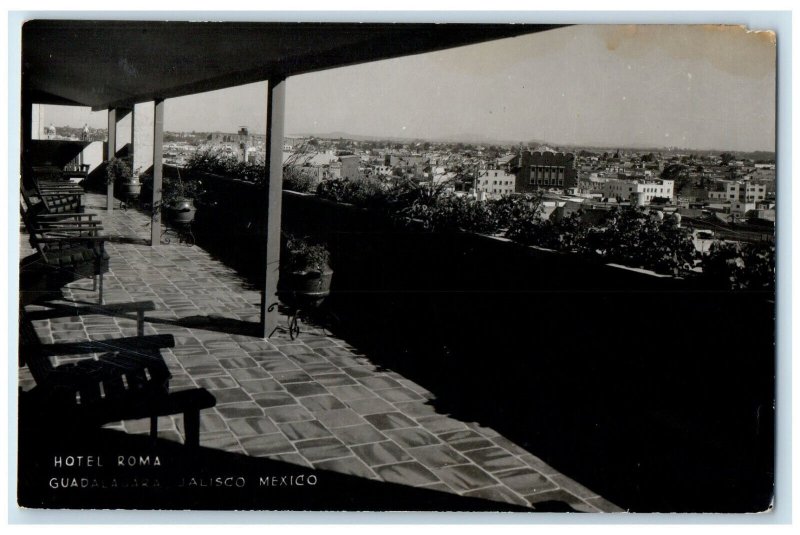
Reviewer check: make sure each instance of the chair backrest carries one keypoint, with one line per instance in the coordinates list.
(125, 370)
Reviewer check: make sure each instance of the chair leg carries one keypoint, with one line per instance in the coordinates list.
(153, 428)
(191, 425)
(100, 296)
(94, 283)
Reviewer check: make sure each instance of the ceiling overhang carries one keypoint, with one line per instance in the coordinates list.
(106, 64)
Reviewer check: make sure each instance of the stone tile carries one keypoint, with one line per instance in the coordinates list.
(288, 413)
(225, 441)
(537, 464)
(249, 374)
(319, 449)
(230, 395)
(282, 365)
(263, 445)
(245, 427)
(322, 403)
(483, 431)
(303, 430)
(412, 437)
(370, 406)
(334, 379)
(204, 370)
(319, 368)
(240, 410)
(525, 481)
(494, 459)
(390, 420)
(348, 465)
(238, 362)
(338, 418)
(466, 440)
(261, 386)
(274, 399)
(359, 371)
(604, 505)
(379, 383)
(465, 477)
(437, 456)
(398, 394)
(215, 383)
(305, 389)
(573, 486)
(508, 445)
(498, 493)
(378, 453)
(358, 434)
(351, 392)
(440, 424)
(549, 499)
(293, 376)
(416, 409)
(408, 473)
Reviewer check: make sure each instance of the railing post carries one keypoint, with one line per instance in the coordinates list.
(111, 152)
(276, 101)
(158, 153)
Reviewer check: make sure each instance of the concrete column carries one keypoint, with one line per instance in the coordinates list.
(158, 153)
(111, 151)
(142, 136)
(276, 102)
(117, 139)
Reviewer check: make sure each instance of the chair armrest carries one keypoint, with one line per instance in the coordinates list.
(87, 215)
(66, 239)
(131, 344)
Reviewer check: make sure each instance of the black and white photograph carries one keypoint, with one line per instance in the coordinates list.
(395, 266)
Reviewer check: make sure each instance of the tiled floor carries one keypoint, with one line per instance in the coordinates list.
(314, 401)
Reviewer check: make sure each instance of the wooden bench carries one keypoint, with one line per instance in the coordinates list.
(127, 380)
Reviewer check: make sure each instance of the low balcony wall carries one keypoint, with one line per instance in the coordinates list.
(654, 391)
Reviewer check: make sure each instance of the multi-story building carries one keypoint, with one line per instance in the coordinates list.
(738, 191)
(495, 183)
(638, 191)
(545, 170)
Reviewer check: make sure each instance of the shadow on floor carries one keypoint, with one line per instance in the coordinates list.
(120, 471)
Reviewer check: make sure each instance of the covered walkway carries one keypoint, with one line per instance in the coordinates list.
(315, 402)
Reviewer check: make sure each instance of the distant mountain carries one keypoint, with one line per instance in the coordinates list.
(476, 139)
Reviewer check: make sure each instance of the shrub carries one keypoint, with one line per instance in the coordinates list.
(118, 169)
(740, 266)
(299, 255)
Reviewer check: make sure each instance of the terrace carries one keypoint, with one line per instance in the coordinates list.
(317, 402)
(460, 366)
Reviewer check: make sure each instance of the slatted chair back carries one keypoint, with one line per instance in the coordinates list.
(122, 371)
(72, 247)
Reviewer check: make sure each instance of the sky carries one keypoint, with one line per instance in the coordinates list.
(699, 87)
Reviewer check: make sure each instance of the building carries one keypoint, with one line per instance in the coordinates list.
(738, 191)
(495, 183)
(640, 192)
(546, 169)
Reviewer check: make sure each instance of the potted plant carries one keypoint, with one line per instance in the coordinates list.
(305, 269)
(132, 185)
(178, 197)
(117, 169)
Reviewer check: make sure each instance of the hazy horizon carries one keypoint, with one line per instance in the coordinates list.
(694, 87)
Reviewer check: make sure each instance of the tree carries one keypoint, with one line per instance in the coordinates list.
(727, 158)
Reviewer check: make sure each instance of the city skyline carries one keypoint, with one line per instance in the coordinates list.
(694, 87)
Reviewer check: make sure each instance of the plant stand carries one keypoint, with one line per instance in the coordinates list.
(183, 231)
(128, 201)
(297, 304)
